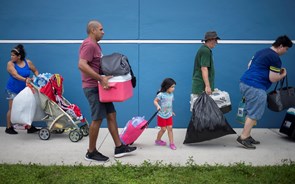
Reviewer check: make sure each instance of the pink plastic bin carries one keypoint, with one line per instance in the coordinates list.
(120, 89)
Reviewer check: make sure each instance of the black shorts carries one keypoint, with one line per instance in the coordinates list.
(99, 110)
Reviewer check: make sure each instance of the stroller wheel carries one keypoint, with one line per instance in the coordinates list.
(44, 134)
(85, 130)
(75, 135)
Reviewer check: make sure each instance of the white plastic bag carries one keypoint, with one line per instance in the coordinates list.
(222, 99)
(23, 107)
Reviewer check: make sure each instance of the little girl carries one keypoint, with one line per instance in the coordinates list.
(163, 103)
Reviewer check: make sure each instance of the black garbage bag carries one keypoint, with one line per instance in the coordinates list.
(207, 121)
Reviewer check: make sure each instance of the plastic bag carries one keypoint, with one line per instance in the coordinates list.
(26, 108)
(241, 114)
(23, 107)
(207, 121)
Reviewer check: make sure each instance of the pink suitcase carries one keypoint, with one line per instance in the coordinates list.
(134, 129)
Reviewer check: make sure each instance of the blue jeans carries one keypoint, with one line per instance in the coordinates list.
(255, 101)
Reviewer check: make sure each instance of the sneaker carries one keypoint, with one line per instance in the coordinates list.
(32, 130)
(246, 143)
(160, 143)
(96, 156)
(172, 146)
(123, 150)
(253, 141)
(10, 130)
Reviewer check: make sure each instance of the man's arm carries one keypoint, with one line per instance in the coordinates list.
(275, 77)
(86, 69)
(205, 75)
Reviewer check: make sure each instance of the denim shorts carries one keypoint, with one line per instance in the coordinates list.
(10, 94)
(255, 101)
(99, 110)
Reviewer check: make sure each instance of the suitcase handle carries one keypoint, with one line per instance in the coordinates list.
(151, 118)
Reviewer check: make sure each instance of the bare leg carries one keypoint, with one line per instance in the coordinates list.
(170, 134)
(93, 134)
(8, 115)
(113, 128)
(249, 123)
(160, 133)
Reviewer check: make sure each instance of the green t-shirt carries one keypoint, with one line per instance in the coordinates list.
(204, 58)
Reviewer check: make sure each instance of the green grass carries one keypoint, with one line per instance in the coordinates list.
(148, 173)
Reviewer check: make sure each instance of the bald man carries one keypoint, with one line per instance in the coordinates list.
(89, 62)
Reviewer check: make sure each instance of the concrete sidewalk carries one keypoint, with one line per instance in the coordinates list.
(275, 148)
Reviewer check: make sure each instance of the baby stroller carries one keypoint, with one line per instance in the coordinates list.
(61, 115)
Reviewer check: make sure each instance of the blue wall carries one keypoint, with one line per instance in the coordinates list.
(148, 20)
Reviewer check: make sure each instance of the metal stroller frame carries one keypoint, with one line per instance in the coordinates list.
(59, 121)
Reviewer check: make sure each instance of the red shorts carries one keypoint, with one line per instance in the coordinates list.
(164, 122)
